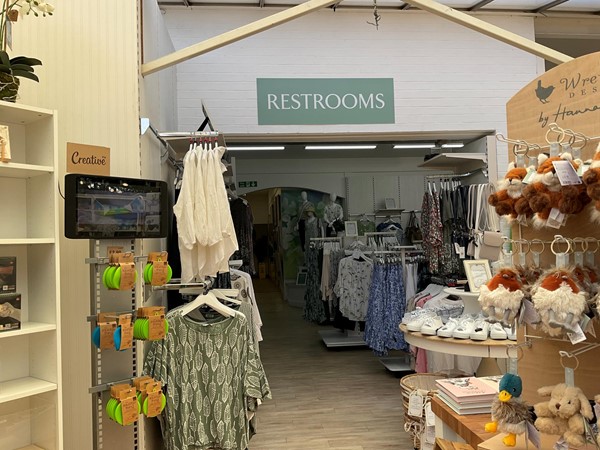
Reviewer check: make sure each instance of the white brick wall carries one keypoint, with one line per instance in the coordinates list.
(446, 76)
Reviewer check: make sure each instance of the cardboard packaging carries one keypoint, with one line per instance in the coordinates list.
(8, 274)
(10, 312)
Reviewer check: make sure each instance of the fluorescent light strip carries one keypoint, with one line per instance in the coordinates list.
(235, 149)
(400, 146)
(455, 145)
(340, 147)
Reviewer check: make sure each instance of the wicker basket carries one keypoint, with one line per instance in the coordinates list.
(424, 382)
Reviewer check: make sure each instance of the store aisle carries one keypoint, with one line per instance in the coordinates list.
(322, 399)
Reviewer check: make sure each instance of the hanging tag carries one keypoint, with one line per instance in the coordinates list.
(561, 445)
(591, 329)
(507, 259)
(584, 322)
(562, 260)
(430, 435)
(533, 162)
(415, 405)
(512, 366)
(457, 248)
(583, 168)
(520, 161)
(579, 258)
(566, 173)
(533, 435)
(461, 253)
(590, 258)
(569, 376)
(555, 219)
(536, 259)
(554, 149)
(429, 415)
(529, 176)
(522, 259)
(577, 336)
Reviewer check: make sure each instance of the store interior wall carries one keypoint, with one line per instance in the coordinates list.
(447, 77)
(89, 52)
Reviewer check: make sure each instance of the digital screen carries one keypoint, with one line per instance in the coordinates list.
(114, 208)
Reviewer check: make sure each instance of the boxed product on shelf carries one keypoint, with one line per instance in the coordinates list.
(8, 274)
(10, 312)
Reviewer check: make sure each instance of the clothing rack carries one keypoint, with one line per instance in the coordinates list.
(324, 239)
(454, 176)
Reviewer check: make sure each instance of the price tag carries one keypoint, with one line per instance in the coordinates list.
(578, 336)
(529, 176)
(461, 253)
(512, 366)
(430, 435)
(556, 218)
(579, 258)
(533, 435)
(590, 258)
(561, 445)
(429, 415)
(562, 260)
(415, 405)
(566, 173)
(536, 259)
(457, 248)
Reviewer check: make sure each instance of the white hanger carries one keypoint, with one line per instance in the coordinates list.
(209, 299)
(227, 294)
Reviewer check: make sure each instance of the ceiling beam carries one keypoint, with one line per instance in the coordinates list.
(486, 28)
(232, 36)
(480, 5)
(547, 6)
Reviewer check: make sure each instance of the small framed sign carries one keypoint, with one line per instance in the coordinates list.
(478, 273)
(390, 203)
(351, 228)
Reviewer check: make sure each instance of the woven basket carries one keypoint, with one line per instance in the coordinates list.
(422, 381)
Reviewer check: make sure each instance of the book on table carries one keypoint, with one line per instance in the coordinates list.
(465, 409)
(468, 389)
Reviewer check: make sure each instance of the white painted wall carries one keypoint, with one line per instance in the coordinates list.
(446, 76)
(90, 75)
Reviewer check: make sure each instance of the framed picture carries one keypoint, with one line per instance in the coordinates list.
(4, 143)
(351, 228)
(390, 203)
(301, 278)
(478, 273)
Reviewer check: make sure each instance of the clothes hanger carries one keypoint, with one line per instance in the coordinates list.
(222, 295)
(209, 299)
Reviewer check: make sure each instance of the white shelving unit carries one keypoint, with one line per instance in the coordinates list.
(458, 162)
(30, 358)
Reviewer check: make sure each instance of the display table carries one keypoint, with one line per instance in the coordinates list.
(489, 348)
(453, 427)
(548, 441)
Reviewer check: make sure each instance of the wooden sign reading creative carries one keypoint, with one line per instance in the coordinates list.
(568, 95)
(88, 159)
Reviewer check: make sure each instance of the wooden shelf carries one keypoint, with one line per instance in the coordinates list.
(458, 162)
(21, 114)
(18, 170)
(27, 241)
(489, 348)
(24, 387)
(29, 328)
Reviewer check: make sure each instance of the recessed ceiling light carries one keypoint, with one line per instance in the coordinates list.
(453, 145)
(399, 146)
(340, 147)
(256, 148)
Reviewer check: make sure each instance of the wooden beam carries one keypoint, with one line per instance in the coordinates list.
(490, 30)
(232, 36)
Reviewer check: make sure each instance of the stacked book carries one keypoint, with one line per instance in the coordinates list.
(469, 395)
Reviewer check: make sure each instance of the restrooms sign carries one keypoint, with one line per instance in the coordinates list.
(325, 101)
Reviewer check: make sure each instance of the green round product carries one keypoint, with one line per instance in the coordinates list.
(163, 403)
(147, 279)
(111, 406)
(108, 276)
(149, 271)
(116, 278)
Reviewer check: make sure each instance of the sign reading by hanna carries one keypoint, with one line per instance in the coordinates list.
(325, 101)
(568, 95)
(88, 159)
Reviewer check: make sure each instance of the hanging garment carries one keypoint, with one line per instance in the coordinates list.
(365, 225)
(207, 236)
(243, 221)
(387, 304)
(243, 282)
(210, 370)
(352, 287)
(313, 228)
(314, 307)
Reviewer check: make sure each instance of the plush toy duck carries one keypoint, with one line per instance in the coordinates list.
(510, 413)
(502, 296)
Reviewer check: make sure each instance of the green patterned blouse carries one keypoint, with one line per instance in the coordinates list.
(210, 371)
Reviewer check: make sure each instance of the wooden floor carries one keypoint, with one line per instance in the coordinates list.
(322, 399)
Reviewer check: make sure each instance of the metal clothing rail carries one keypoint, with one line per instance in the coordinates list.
(322, 239)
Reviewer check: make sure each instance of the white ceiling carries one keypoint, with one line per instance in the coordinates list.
(579, 6)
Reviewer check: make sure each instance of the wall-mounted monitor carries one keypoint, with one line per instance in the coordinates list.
(98, 207)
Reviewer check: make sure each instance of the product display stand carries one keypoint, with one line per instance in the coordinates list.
(111, 366)
(30, 357)
(343, 338)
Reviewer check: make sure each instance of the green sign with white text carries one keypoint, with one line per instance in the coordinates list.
(325, 101)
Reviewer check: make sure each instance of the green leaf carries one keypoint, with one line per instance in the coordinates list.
(24, 67)
(5, 69)
(23, 74)
(4, 58)
(26, 60)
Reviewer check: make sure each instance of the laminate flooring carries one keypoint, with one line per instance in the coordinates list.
(341, 399)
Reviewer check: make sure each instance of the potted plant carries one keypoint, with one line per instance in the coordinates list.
(11, 69)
